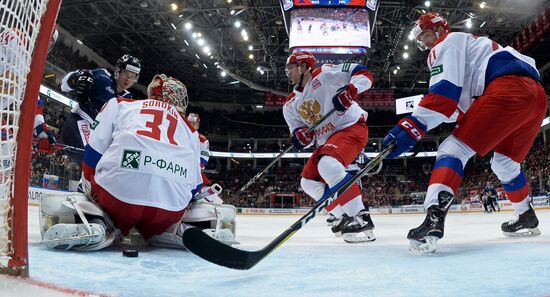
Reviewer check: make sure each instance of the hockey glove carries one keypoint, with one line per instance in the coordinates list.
(344, 97)
(83, 84)
(405, 135)
(300, 138)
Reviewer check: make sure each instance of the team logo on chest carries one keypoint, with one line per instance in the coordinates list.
(310, 111)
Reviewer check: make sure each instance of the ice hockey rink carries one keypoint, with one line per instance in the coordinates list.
(474, 259)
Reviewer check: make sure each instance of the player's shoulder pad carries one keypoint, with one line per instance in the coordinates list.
(290, 97)
(189, 126)
(124, 99)
(317, 71)
(101, 72)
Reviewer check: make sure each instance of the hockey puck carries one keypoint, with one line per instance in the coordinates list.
(130, 253)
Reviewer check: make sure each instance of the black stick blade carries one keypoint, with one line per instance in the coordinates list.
(211, 250)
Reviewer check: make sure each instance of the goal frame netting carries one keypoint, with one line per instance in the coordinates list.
(14, 260)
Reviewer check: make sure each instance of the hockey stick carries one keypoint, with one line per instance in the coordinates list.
(255, 178)
(211, 250)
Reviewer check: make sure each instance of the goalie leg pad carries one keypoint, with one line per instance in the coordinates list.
(70, 221)
(217, 218)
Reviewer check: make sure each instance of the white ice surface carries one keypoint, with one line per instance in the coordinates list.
(474, 259)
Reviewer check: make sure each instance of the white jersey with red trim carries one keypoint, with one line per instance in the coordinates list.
(148, 153)
(305, 107)
(461, 66)
(205, 150)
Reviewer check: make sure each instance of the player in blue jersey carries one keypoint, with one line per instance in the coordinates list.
(92, 88)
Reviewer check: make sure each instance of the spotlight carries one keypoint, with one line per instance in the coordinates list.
(188, 26)
(223, 74)
(237, 24)
(405, 55)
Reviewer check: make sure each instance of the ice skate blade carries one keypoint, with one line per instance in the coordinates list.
(423, 248)
(527, 232)
(338, 234)
(359, 237)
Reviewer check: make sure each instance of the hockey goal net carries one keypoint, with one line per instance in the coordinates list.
(26, 27)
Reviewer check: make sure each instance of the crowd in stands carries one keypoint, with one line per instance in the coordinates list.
(242, 131)
(390, 188)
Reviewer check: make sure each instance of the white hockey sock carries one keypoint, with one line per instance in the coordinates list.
(313, 188)
(354, 206)
(521, 207)
(331, 170)
(337, 211)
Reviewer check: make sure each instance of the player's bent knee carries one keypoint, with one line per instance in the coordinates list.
(331, 170)
(313, 188)
(454, 147)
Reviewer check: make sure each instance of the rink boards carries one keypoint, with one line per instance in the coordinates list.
(539, 202)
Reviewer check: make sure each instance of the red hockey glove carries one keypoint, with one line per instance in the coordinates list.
(300, 138)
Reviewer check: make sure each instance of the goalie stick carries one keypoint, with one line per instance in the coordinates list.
(211, 250)
(255, 178)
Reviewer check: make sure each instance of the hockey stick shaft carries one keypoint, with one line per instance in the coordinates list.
(325, 201)
(218, 253)
(257, 176)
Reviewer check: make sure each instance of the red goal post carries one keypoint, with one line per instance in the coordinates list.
(26, 27)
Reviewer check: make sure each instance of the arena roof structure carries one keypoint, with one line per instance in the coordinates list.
(164, 34)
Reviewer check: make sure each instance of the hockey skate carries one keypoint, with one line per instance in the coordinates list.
(523, 226)
(359, 229)
(339, 224)
(331, 219)
(423, 239)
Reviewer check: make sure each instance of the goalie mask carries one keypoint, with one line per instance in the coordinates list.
(170, 90)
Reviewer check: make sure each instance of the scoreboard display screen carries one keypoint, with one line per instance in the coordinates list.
(329, 28)
(361, 3)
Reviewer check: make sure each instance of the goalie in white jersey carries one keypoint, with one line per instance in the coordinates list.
(142, 167)
(500, 104)
(339, 139)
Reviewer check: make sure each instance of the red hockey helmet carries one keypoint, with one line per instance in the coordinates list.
(302, 57)
(428, 21)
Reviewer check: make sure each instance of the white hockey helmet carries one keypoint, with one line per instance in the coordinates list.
(168, 89)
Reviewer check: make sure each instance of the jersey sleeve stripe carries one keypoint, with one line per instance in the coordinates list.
(447, 89)
(91, 156)
(359, 68)
(361, 78)
(504, 63)
(440, 104)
